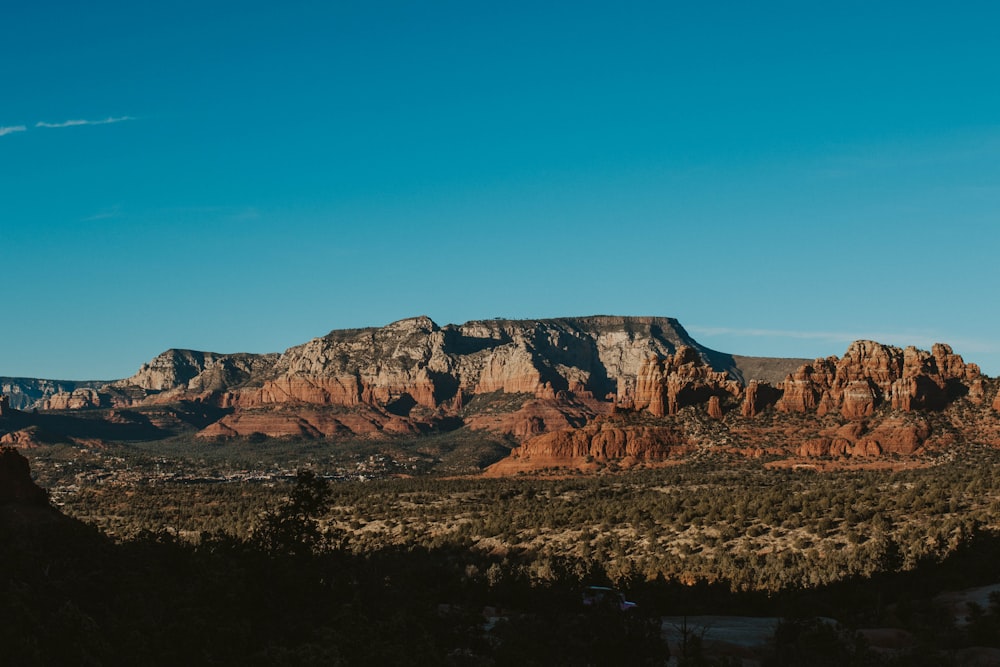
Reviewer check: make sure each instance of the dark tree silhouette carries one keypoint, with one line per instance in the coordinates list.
(293, 529)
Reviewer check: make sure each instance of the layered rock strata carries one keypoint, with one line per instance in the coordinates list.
(870, 404)
(871, 374)
(895, 435)
(31, 393)
(664, 385)
(554, 386)
(605, 440)
(415, 363)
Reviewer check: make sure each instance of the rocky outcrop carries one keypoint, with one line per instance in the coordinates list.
(930, 380)
(757, 396)
(714, 407)
(416, 363)
(31, 393)
(197, 372)
(16, 485)
(977, 390)
(538, 415)
(78, 399)
(30, 438)
(307, 423)
(344, 390)
(903, 436)
(574, 389)
(871, 374)
(171, 376)
(858, 399)
(603, 441)
(803, 390)
(664, 385)
(870, 404)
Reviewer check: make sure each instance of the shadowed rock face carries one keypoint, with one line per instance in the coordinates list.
(607, 439)
(873, 402)
(667, 384)
(29, 393)
(16, 485)
(432, 365)
(870, 374)
(560, 377)
(198, 372)
(757, 397)
(585, 356)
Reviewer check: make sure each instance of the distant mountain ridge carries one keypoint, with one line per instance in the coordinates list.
(572, 391)
(597, 355)
(29, 393)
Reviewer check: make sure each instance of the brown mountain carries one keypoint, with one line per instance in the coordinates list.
(30, 393)
(412, 375)
(580, 392)
(877, 402)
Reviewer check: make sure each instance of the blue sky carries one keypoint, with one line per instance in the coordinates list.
(780, 177)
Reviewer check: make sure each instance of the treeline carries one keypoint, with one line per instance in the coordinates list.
(751, 527)
(295, 592)
(287, 595)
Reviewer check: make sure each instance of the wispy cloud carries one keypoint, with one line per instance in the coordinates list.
(76, 123)
(105, 214)
(10, 129)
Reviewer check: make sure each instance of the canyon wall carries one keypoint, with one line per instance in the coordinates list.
(570, 385)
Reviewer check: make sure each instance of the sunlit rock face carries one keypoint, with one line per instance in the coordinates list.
(870, 374)
(570, 391)
(591, 357)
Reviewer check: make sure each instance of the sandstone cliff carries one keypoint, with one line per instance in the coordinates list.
(871, 374)
(554, 386)
(901, 435)
(415, 362)
(197, 372)
(757, 397)
(431, 365)
(568, 366)
(873, 403)
(31, 393)
(666, 384)
(604, 441)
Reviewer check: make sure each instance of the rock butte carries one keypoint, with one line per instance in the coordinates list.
(631, 390)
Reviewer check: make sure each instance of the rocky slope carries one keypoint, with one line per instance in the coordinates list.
(416, 360)
(410, 375)
(876, 402)
(31, 393)
(599, 356)
(171, 376)
(572, 391)
(870, 374)
(16, 485)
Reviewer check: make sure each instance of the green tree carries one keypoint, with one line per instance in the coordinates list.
(293, 529)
